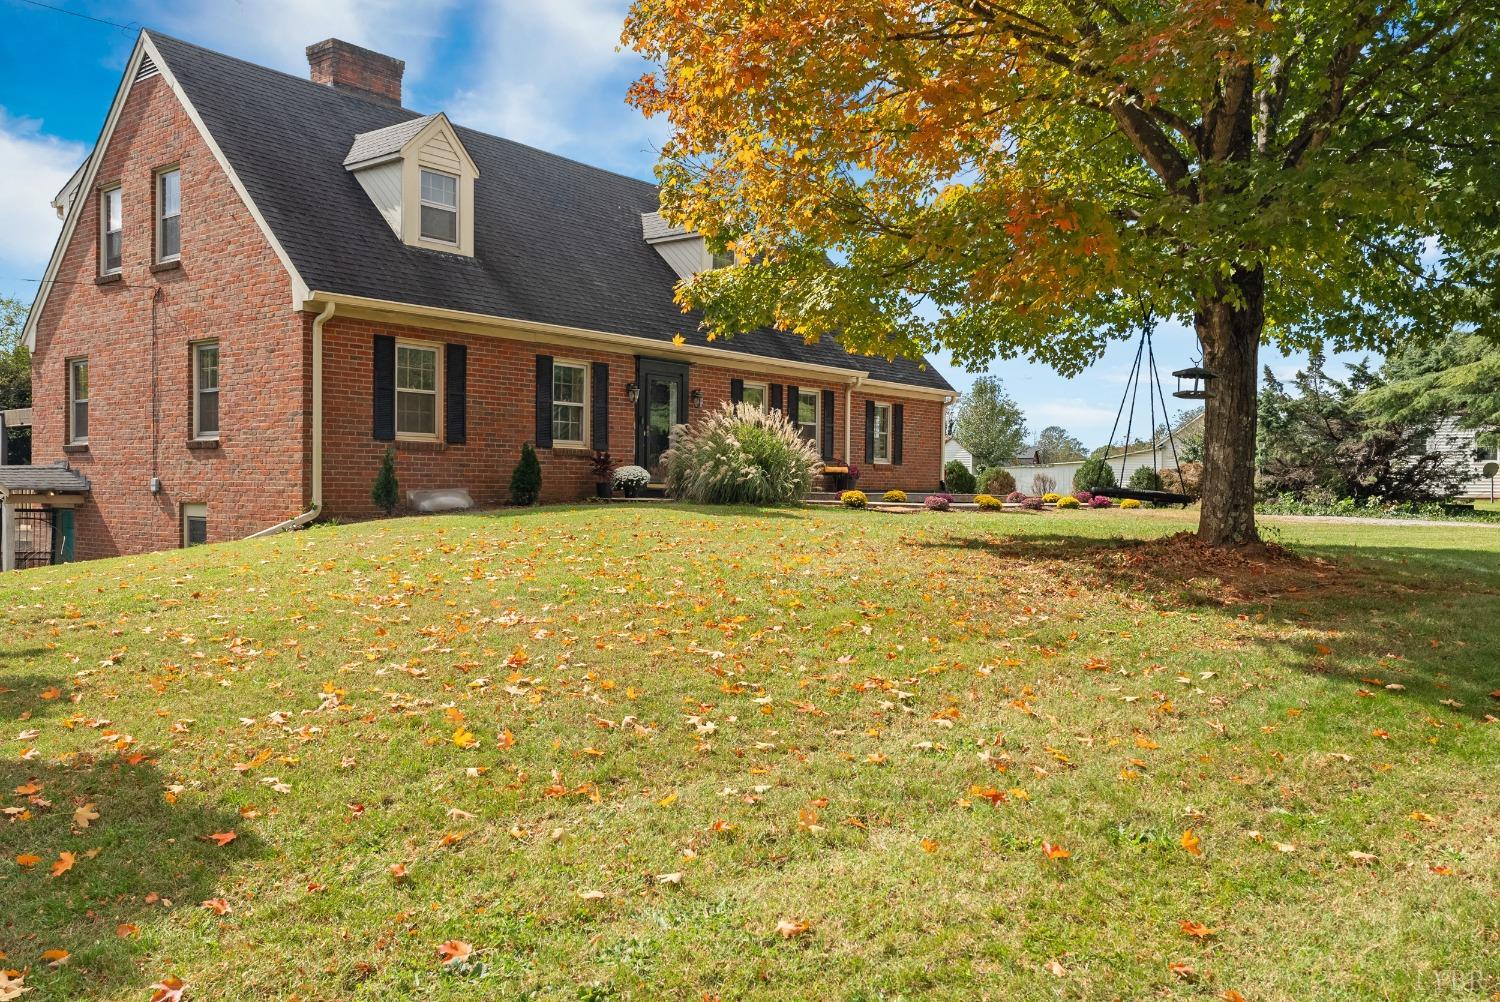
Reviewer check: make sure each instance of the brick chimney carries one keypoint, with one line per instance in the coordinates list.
(349, 68)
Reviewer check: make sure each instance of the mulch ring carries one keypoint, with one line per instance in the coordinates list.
(1239, 574)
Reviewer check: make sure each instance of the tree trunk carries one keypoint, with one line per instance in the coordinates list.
(1230, 334)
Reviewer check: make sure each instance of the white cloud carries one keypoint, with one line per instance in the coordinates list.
(33, 168)
(553, 76)
(276, 32)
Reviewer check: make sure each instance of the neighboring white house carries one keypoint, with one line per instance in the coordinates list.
(952, 450)
(1060, 475)
(1459, 445)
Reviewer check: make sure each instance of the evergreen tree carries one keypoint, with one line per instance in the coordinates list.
(989, 424)
(386, 492)
(526, 479)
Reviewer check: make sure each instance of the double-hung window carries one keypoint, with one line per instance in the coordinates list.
(807, 413)
(439, 206)
(206, 390)
(569, 413)
(194, 524)
(78, 401)
(720, 259)
(416, 390)
(169, 215)
(111, 230)
(754, 394)
(881, 432)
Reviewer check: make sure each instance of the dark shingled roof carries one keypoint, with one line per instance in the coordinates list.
(38, 479)
(555, 241)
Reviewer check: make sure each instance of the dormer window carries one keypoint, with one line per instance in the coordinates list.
(439, 206)
(721, 259)
(421, 180)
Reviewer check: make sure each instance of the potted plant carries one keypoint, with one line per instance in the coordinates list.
(631, 480)
(603, 466)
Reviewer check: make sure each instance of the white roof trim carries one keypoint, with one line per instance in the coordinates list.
(146, 49)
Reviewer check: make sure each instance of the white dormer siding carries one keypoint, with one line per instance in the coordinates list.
(389, 162)
(681, 248)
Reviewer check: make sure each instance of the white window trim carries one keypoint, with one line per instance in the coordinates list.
(885, 412)
(817, 423)
(456, 208)
(194, 510)
(199, 435)
(437, 393)
(74, 401)
(583, 424)
(160, 203)
(765, 392)
(104, 230)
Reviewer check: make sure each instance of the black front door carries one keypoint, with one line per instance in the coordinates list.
(662, 404)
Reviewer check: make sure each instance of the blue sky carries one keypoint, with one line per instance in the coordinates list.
(547, 73)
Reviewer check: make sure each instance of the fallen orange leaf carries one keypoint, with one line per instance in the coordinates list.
(220, 839)
(792, 928)
(454, 951)
(1055, 851)
(65, 861)
(1197, 929)
(168, 989)
(1192, 843)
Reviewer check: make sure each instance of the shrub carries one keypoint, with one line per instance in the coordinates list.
(938, 502)
(1100, 501)
(958, 478)
(1032, 504)
(740, 454)
(385, 493)
(1069, 501)
(1051, 498)
(1015, 497)
(988, 502)
(1043, 484)
(1190, 483)
(853, 499)
(526, 478)
(1145, 479)
(1093, 474)
(1130, 503)
(997, 482)
(631, 479)
(603, 465)
(896, 497)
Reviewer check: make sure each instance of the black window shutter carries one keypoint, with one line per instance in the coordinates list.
(383, 385)
(898, 423)
(736, 390)
(827, 424)
(775, 396)
(793, 412)
(599, 411)
(456, 393)
(869, 431)
(544, 401)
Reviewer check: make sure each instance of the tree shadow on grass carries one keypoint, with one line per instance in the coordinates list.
(141, 860)
(1431, 606)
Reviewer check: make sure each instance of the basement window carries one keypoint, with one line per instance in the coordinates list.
(194, 524)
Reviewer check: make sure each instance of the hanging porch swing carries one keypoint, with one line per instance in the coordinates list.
(1144, 370)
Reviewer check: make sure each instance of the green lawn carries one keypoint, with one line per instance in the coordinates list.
(692, 726)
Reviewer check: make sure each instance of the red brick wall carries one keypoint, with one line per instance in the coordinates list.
(501, 415)
(229, 286)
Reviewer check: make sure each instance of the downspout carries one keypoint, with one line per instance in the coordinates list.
(317, 432)
(849, 417)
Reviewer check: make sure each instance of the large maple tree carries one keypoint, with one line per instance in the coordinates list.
(988, 179)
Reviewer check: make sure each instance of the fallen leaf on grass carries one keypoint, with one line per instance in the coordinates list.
(669, 878)
(1196, 929)
(1192, 843)
(455, 951)
(168, 989)
(56, 958)
(126, 929)
(65, 861)
(397, 871)
(1055, 851)
(1057, 970)
(1363, 858)
(930, 845)
(591, 895)
(464, 738)
(217, 905)
(221, 839)
(11, 987)
(27, 860)
(792, 928)
(85, 816)
(1183, 971)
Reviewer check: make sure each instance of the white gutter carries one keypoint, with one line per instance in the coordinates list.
(317, 432)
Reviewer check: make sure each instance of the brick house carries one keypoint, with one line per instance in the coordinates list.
(263, 282)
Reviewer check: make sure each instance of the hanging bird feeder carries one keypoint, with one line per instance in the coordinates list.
(1197, 383)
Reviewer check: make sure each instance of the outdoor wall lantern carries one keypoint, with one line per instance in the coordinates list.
(1197, 388)
(633, 392)
(696, 397)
